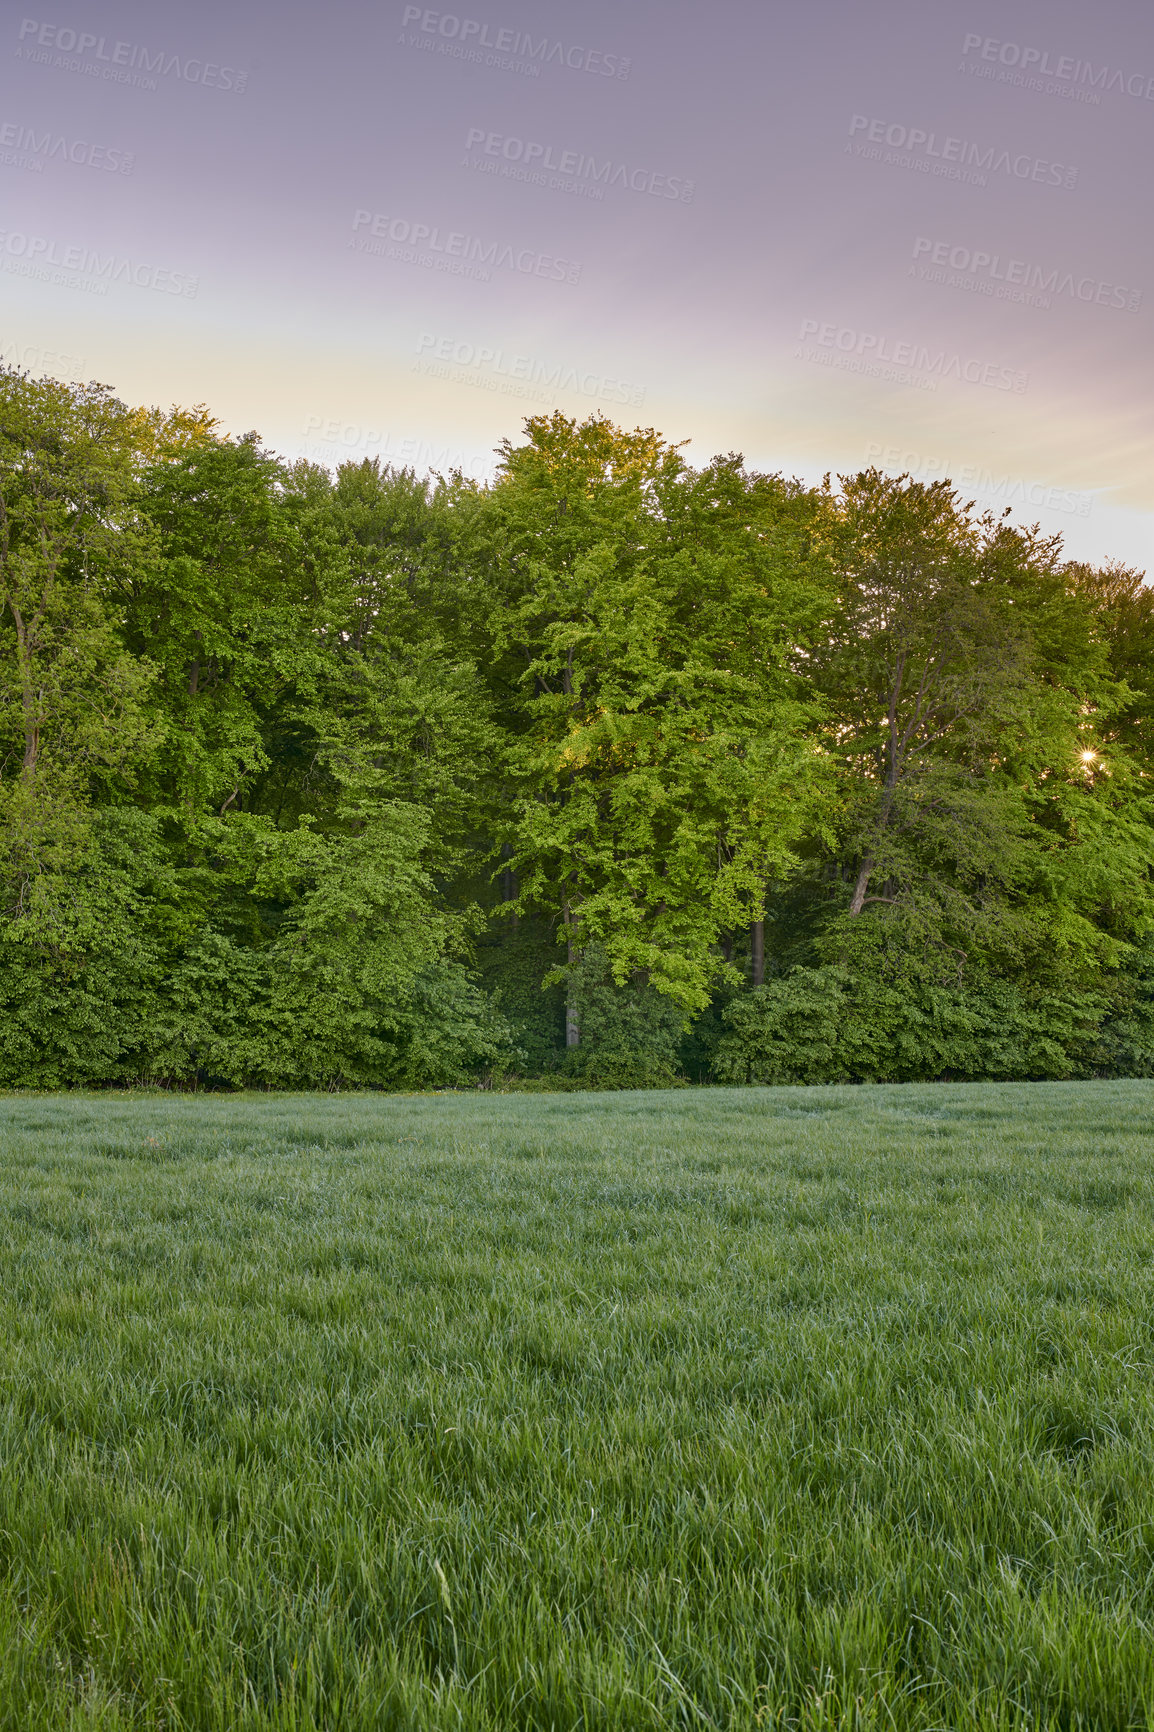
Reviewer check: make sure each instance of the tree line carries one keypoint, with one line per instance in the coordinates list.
(612, 771)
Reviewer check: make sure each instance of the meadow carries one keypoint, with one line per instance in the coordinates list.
(773, 1408)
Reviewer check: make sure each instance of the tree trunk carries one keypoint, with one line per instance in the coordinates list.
(572, 1031)
(508, 882)
(194, 671)
(29, 714)
(865, 872)
(31, 725)
(509, 890)
(757, 951)
(572, 1028)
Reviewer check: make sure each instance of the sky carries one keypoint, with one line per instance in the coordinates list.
(908, 233)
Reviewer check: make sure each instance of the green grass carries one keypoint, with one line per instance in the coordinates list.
(727, 1408)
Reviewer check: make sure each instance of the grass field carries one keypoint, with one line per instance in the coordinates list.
(726, 1408)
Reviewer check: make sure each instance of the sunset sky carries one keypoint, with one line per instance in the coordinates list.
(906, 232)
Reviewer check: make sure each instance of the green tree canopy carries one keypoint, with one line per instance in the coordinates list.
(365, 776)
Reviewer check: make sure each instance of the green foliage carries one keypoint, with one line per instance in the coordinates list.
(629, 1033)
(831, 1025)
(80, 962)
(73, 723)
(517, 963)
(657, 744)
(356, 983)
(312, 779)
(1123, 1043)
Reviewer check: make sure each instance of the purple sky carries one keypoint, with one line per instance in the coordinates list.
(915, 233)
